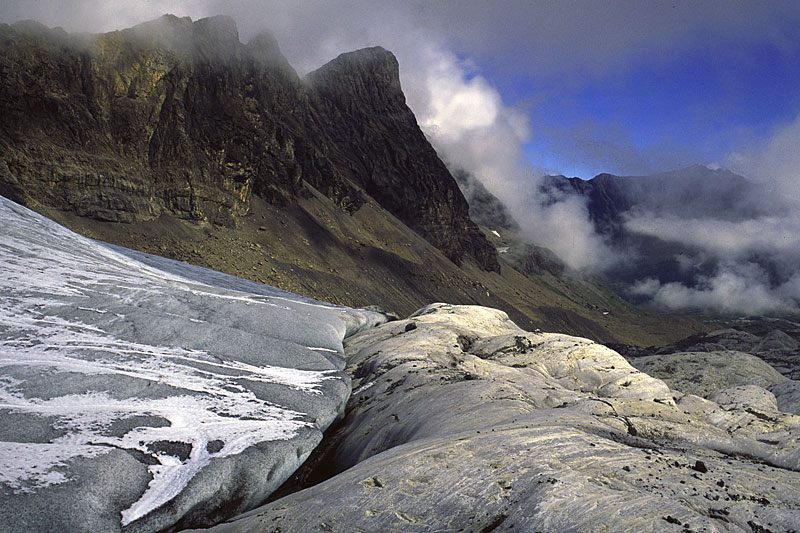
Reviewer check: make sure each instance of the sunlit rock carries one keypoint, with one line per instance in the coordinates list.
(461, 421)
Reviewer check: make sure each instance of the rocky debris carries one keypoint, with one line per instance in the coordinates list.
(140, 393)
(466, 422)
(175, 117)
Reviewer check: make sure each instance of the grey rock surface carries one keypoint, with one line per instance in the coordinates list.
(704, 373)
(138, 393)
(460, 421)
(779, 350)
(787, 394)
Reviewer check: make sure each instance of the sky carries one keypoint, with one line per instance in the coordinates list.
(513, 90)
(625, 87)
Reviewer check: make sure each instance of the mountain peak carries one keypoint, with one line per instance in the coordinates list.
(368, 73)
(366, 59)
(212, 38)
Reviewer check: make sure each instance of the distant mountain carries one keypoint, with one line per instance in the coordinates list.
(175, 138)
(692, 192)
(695, 192)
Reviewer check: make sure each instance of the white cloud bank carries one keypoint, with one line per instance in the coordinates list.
(758, 268)
(735, 288)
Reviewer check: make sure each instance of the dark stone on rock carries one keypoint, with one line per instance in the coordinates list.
(181, 450)
(214, 446)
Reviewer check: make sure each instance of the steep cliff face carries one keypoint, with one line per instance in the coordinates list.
(178, 117)
(378, 139)
(161, 118)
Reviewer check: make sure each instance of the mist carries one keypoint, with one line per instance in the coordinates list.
(757, 257)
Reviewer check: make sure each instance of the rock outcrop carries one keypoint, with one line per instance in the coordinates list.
(180, 118)
(140, 393)
(780, 351)
(379, 141)
(703, 373)
(460, 421)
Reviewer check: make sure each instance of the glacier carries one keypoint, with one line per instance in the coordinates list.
(141, 393)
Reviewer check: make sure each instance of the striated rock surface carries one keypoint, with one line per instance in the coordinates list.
(139, 393)
(779, 350)
(703, 373)
(460, 421)
(175, 117)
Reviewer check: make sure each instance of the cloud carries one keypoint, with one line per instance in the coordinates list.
(758, 258)
(473, 130)
(724, 238)
(734, 288)
(774, 162)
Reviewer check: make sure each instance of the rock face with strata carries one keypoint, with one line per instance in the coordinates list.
(139, 393)
(179, 117)
(460, 421)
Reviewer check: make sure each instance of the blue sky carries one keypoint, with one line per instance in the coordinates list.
(678, 106)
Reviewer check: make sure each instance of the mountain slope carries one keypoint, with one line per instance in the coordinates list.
(178, 117)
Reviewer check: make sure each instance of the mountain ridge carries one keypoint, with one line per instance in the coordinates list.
(228, 159)
(634, 215)
(185, 119)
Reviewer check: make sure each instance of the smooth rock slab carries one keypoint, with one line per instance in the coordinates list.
(139, 393)
(704, 373)
(787, 394)
(464, 422)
